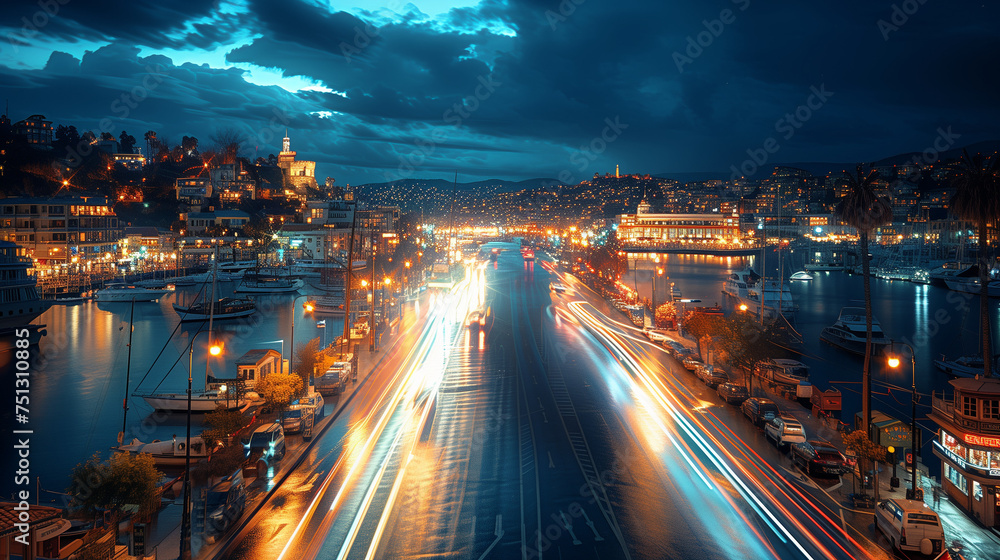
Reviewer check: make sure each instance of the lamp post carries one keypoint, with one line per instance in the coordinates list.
(657, 272)
(186, 514)
(385, 311)
(371, 314)
(893, 362)
(291, 345)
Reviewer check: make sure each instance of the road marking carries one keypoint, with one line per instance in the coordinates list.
(552, 465)
(499, 533)
(840, 482)
(590, 523)
(843, 523)
(569, 527)
(545, 417)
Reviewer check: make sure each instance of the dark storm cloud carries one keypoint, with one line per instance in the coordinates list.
(696, 84)
(146, 23)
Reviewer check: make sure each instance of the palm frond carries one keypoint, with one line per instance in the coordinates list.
(863, 207)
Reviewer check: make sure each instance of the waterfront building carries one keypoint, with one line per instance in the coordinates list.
(968, 444)
(257, 364)
(199, 222)
(647, 228)
(312, 241)
(61, 230)
(333, 213)
(132, 162)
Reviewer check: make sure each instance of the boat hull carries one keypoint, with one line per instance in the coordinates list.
(179, 402)
(253, 288)
(144, 295)
(850, 344)
(192, 317)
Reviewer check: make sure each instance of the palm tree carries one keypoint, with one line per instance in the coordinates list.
(977, 200)
(151, 142)
(865, 209)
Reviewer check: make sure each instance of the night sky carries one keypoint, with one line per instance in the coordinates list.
(514, 89)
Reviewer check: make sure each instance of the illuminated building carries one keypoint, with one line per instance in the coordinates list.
(968, 443)
(60, 230)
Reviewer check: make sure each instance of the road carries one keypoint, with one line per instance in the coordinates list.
(551, 432)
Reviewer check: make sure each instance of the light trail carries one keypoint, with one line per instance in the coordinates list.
(710, 445)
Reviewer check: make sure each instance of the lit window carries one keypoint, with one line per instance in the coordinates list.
(969, 406)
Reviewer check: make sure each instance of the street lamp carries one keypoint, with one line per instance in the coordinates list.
(893, 362)
(371, 314)
(215, 350)
(385, 282)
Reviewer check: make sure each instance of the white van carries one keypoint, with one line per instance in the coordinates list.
(910, 525)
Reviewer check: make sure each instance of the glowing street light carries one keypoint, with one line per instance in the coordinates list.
(893, 361)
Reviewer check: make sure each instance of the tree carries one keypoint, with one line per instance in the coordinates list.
(126, 143)
(306, 359)
(867, 452)
(228, 142)
(151, 143)
(703, 325)
(278, 389)
(122, 480)
(222, 425)
(865, 209)
(746, 343)
(107, 136)
(190, 145)
(666, 315)
(977, 199)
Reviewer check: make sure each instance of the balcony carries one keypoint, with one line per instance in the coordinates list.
(945, 407)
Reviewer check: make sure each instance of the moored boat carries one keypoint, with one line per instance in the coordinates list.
(171, 453)
(783, 371)
(260, 284)
(126, 292)
(964, 366)
(850, 332)
(225, 308)
(801, 275)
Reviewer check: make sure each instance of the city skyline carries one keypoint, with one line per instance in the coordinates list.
(375, 93)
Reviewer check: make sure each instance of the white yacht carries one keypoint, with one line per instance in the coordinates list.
(738, 283)
(972, 286)
(774, 296)
(171, 453)
(849, 332)
(19, 301)
(802, 275)
(204, 401)
(126, 292)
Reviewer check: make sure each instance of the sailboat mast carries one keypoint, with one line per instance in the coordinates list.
(128, 368)
(211, 314)
(347, 303)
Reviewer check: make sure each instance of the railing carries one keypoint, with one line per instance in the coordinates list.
(944, 405)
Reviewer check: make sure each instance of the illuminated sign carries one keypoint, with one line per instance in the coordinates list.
(982, 441)
(963, 464)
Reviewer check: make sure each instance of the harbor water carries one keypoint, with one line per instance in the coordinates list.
(79, 368)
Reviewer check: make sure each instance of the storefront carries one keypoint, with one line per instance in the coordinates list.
(968, 443)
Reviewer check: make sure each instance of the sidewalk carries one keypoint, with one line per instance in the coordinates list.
(962, 533)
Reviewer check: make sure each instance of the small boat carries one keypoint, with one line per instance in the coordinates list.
(66, 300)
(965, 366)
(260, 284)
(225, 308)
(205, 401)
(737, 283)
(823, 266)
(329, 305)
(921, 276)
(783, 371)
(972, 286)
(849, 332)
(801, 275)
(237, 267)
(126, 292)
(171, 453)
(938, 275)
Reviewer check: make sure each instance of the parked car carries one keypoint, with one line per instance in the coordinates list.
(291, 420)
(759, 410)
(315, 402)
(673, 347)
(910, 525)
(657, 336)
(225, 502)
(334, 381)
(784, 430)
(691, 363)
(269, 440)
(732, 393)
(818, 457)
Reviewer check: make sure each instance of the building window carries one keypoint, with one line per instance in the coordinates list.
(955, 477)
(969, 407)
(977, 491)
(991, 409)
(952, 444)
(978, 457)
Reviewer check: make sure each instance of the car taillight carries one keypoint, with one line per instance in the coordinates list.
(902, 535)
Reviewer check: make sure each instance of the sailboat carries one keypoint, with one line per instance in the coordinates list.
(225, 308)
(206, 400)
